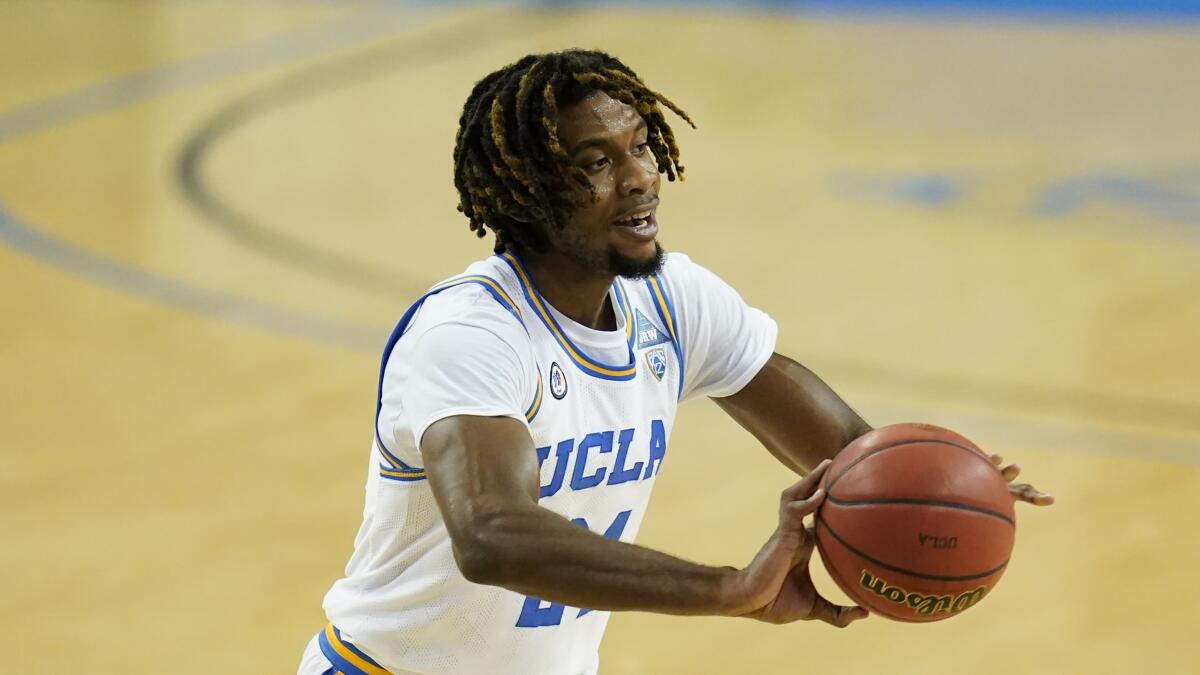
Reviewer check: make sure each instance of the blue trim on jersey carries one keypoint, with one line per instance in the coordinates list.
(401, 475)
(398, 469)
(345, 657)
(489, 284)
(577, 356)
(666, 312)
(668, 295)
(397, 333)
(537, 399)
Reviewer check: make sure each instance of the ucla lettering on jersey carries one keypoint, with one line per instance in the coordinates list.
(581, 457)
(601, 438)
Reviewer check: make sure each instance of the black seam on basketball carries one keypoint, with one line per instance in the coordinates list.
(922, 502)
(851, 465)
(876, 451)
(901, 570)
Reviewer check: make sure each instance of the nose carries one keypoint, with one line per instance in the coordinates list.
(637, 177)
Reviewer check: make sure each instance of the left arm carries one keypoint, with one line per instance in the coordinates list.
(802, 421)
(794, 414)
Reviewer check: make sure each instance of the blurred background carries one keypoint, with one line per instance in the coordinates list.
(980, 214)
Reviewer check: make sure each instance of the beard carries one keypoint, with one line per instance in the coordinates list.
(632, 268)
(608, 262)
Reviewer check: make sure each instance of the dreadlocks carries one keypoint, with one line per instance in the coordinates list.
(512, 174)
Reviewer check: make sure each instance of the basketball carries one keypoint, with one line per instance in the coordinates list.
(917, 524)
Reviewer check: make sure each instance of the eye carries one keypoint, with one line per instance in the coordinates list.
(596, 165)
(641, 149)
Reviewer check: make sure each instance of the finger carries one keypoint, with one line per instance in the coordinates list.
(848, 615)
(1011, 472)
(798, 509)
(836, 615)
(1027, 493)
(807, 485)
(996, 459)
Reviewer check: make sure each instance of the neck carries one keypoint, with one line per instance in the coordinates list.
(581, 296)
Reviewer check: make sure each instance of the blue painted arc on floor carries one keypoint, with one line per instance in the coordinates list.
(323, 38)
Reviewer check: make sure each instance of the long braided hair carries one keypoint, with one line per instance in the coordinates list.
(513, 175)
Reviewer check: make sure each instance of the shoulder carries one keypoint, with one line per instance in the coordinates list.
(481, 297)
(687, 277)
(682, 265)
(467, 320)
(677, 263)
(467, 315)
(463, 343)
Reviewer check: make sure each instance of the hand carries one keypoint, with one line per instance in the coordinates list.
(777, 584)
(1023, 492)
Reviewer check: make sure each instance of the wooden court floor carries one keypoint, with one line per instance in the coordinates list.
(211, 213)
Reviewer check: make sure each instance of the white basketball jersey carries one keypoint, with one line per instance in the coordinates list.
(601, 431)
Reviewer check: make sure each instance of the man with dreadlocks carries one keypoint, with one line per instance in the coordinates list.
(524, 406)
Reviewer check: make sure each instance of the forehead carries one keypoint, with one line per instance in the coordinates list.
(598, 115)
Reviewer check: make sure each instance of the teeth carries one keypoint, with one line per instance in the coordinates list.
(636, 217)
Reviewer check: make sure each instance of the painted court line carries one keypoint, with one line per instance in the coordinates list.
(378, 20)
(248, 312)
(235, 309)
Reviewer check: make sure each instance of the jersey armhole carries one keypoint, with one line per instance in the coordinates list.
(394, 468)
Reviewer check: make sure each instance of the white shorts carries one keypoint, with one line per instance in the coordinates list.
(314, 662)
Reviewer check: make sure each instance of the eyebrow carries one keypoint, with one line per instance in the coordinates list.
(601, 140)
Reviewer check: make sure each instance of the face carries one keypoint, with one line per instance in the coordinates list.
(614, 234)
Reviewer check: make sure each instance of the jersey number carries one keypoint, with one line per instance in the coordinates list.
(536, 612)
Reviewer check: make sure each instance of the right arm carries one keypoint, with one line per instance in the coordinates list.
(484, 475)
(463, 399)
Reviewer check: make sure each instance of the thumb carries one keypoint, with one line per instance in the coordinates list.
(805, 550)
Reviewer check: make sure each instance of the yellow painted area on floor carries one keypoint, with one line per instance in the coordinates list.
(994, 226)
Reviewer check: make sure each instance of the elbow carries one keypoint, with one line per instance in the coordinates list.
(487, 549)
(478, 561)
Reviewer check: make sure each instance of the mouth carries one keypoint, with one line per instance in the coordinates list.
(639, 223)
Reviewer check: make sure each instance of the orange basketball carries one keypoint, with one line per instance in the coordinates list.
(917, 523)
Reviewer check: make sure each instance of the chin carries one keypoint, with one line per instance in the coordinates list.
(639, 265)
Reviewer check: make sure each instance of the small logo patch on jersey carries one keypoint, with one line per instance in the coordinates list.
(558, 381)
(657, 360)
(648, 334)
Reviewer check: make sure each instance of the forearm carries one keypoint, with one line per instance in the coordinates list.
(536, 552)
(794, 414)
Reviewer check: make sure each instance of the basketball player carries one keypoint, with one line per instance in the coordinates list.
(525, 406)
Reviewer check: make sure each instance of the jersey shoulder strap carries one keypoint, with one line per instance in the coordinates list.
(395, 468)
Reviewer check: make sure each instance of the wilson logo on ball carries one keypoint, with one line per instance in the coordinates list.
(919, 602)
(937, 542)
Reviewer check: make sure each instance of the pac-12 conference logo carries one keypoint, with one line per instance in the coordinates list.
(558, 381)
(657, 360)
